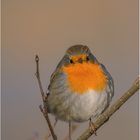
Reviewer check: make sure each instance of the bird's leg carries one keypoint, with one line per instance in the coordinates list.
(56, 120)
(70, 130)
(92, 127)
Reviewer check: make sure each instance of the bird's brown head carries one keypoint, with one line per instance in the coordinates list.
(78, 54)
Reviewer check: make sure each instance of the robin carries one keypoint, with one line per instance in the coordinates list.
(80, 88)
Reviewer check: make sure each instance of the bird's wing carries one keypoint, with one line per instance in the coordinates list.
(58, 72)
(110, 87)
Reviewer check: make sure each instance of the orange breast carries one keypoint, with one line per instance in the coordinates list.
(85, 76)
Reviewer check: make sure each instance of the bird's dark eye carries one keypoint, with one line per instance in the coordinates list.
(87, 58)
(71, 61)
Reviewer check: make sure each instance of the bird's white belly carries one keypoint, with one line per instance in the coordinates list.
(77, 107)
(87, 105)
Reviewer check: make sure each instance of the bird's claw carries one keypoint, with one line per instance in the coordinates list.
(92, 128)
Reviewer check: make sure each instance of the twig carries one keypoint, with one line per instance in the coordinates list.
(38, 77)
(110, 111)
(44, 97)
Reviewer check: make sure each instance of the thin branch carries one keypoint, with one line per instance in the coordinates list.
(38, 77)
(110, 111)
(44, 97)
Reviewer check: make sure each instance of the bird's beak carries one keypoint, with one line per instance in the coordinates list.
(80, 60)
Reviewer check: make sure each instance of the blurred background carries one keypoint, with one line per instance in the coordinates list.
(48, 28)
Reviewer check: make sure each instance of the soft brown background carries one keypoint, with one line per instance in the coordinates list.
(48, 28)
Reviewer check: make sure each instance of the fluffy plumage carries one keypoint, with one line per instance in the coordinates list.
(80, 87)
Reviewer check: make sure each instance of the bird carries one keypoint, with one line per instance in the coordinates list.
(80, 89)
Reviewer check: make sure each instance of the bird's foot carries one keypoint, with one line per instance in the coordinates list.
(92, 127)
